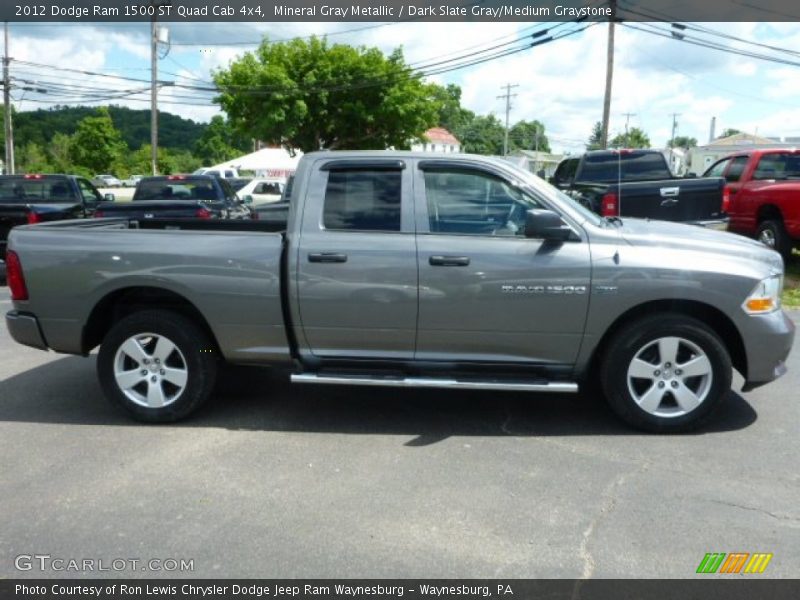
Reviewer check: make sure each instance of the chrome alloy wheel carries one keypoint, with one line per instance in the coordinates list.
(150, 370)
(670, 377)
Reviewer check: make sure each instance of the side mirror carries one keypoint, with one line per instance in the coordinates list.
(109, 197)
(546, 225)
(248, 199)
(690, 176)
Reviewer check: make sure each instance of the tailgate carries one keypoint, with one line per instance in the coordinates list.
(152, 209)
(679, 200)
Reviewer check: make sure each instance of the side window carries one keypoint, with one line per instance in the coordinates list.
(362, 200)
(88, 192)
(736, 169)
(717, 169)
(566, 171)
(474, 203)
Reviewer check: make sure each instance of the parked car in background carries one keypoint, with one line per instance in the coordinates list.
(639, 183)
(179, 196)
(263, 190)
(277, 213)
(222, 173)
(131, 181)
(106, 181)
(410, 270)
(33, 198)
(237, 183)
(764, 190)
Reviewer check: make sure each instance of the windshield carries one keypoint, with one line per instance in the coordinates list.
(541, 187)
(40, 189)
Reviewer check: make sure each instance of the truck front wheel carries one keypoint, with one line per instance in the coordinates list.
(773, 234)
(157, 365)
(666, 373)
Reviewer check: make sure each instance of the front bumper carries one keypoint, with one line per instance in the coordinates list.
(24, 328)
(768, 340)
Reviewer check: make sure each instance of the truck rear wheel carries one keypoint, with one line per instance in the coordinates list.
(772, 233)
(157, 365)
(666, 373)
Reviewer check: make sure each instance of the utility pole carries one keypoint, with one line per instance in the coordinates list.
(9, 128)
(609, 73)
(672, 139)
(507, 96)
(627, 118)
(154, 40)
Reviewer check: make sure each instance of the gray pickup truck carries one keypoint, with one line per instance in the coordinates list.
(409, 270)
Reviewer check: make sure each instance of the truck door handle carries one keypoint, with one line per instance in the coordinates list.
(448, 261)
(670, 192)
(327, 257)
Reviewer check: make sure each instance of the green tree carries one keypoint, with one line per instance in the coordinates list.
(31, 158)
(595, 141)
(138, 162)
(483, 135)
(216, 144)
(636, 138)
(452, 116)
(309, 94)
(97, 144)
(683, 141)
(60, 148)
(729, 132)
(523, 136)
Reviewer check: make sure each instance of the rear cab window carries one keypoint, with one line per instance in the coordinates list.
(626, 165)
(778, 166)
(178, 188)
(35, 188)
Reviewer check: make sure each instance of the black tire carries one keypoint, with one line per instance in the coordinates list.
(772, 233)
(196, 357)
(637, 339)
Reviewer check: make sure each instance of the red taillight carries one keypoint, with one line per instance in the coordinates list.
(176, 178)
(609, 206)
(726, 198)
(33, 218)
(14, 277)
(202, 213)
(33, 176)
(98, 214)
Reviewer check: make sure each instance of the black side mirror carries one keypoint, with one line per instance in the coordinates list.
(544, 224)
(109, 197)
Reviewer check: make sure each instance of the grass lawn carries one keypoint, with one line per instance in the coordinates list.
(791, 284)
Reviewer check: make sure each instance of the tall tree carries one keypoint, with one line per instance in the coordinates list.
(683, 141)
(97, 144)
(452, 116)
(595, 141)
(216, 144)
(309, 94)
(636, 138)
(523, 136)
(482, 135)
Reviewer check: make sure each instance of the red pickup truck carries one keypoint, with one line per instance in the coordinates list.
(763, 187)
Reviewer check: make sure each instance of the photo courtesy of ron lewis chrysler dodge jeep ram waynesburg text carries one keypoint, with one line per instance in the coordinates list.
(411, 270)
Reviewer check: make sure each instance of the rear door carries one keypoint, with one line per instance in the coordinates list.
(356, 264)
(487, 293)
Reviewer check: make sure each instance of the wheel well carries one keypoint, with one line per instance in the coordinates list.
(768, 212)
(713, 317)
(121, 303)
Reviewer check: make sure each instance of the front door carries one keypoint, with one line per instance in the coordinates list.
(356, 263)
(488, 293)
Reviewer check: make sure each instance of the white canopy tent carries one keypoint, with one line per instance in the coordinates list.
(267, 162)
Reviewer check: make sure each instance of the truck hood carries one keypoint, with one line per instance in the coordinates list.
(668, 235)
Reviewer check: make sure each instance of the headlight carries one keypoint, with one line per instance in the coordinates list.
(766, 296)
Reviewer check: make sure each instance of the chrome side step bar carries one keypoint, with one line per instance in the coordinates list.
(433, 382)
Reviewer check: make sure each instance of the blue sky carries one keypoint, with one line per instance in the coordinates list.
(560, 83)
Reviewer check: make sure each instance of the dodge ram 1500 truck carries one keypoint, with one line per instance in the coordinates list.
(764, 190)
(638, 183)
(411, 270)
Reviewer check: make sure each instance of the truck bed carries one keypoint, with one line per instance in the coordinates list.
(229, 270)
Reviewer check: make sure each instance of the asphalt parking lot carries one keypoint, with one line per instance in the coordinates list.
(270, 480)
